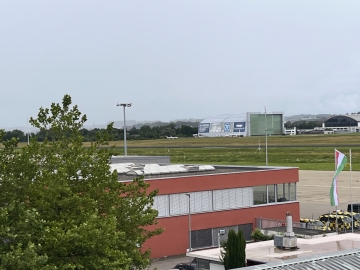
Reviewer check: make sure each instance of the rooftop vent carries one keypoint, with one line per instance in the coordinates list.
(289, 240)
(193, 168)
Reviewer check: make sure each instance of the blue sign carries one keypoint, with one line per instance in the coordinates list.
(239, 127)
(204, 128)
(227, 127)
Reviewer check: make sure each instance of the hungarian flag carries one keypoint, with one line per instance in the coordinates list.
(340, 162)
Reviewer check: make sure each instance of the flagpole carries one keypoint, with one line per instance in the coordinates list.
(351, 201)
(336, 219)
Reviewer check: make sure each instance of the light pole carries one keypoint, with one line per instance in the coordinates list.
(187, 194)
(124, 105)
(266, 152)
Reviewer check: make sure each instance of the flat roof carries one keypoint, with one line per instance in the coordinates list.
(267, 253)
(219, 169)
(341, 260)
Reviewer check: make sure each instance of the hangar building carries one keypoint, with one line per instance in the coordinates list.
(241, 125)
(347, 123)
(206, 199)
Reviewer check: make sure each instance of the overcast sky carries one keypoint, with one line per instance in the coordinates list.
(179, 59)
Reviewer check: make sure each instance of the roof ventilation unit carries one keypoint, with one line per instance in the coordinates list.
(289, 240)
(193, 168)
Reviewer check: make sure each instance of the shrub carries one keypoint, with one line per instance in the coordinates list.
(257, 235)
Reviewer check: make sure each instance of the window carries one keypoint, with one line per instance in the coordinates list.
(201, 238)
(161, 203)
(283, 192)
(179, 204)
(271, 193)
(232, 198)
(292, 191)
(201, 201)
(260, 196)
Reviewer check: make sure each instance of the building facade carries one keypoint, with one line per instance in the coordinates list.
(219, 199)
(346, 123)
(241, 125)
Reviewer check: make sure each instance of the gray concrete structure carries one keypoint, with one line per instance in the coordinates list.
(141, 159)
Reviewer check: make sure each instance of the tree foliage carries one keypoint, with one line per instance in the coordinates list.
(144, 132)
(233, 253)
(62, 208)
(303, 124)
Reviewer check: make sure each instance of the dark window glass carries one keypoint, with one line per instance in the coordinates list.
(292, 191)
(271, 193)
(260, 195)
(283, 192)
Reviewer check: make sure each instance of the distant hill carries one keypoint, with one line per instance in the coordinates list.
(177, 124)
(307, 117)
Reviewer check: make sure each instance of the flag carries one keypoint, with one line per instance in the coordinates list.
(340, 162)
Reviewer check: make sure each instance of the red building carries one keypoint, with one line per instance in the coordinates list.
(220, 198)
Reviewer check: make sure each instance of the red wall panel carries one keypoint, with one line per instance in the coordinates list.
(223, 181)
(174, 240)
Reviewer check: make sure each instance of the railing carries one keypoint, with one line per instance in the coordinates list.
(265, 223)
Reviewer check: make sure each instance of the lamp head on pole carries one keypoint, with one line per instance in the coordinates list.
(124, 104)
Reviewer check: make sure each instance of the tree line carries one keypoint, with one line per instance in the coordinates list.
(303, 124)
(145, 132)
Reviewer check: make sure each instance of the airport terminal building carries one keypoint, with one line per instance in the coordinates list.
(207, 200)
(241, 125)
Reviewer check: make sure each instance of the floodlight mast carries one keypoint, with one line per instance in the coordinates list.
(266, 150)
(124, 105)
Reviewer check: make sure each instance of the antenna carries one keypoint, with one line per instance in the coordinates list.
(258, 149)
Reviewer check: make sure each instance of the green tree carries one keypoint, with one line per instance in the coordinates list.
(62, 208)
(242, 248)
(16, 134)
(233, 253)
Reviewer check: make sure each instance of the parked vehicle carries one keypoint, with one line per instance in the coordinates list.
(184, 266)
(187, 266)
(356, 207)
(314, 224)
(330, 220)
(354, 215)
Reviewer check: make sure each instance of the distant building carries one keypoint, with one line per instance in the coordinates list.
(242, 125)
(345, 123)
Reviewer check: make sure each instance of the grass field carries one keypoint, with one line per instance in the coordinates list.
(308, 152)
(300, 140)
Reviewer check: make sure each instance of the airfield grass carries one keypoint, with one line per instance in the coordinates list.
(307, 152)
(306, 158)
(298, 140)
